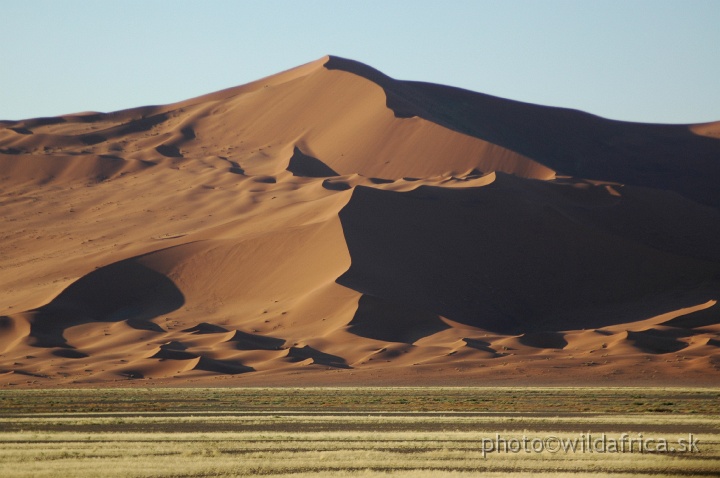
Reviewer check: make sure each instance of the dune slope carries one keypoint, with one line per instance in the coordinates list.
(330, 224)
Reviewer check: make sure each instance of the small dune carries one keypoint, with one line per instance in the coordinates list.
(205, 328)
(245, 341)
(656, 342)
(309, 355)
(544, 340)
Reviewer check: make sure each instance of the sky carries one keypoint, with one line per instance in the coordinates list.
(652, 61)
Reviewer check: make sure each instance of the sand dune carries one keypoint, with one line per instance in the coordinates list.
(330, 224)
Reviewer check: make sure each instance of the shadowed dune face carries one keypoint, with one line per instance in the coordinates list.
(464, 254)
(545, 340)
(125, 291)
(311, 355)
(245, 341)
(330, 224)
(697, 319)
(382, 320)
(307, 166)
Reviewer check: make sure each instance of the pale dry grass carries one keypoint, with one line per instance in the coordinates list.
(345, 432)
(369, 446)
(388, 421)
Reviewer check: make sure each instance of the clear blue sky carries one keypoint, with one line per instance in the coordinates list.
(635, 60)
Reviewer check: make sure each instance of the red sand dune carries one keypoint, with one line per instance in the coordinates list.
(332, 225)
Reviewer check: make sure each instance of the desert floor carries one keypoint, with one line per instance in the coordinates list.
(413, 431)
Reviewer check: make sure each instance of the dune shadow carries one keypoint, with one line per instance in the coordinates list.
(656, 341)
(188, 133)
(173, 345)
(142, 324)
(381, 181)
(45, 121)
(91, 139)
(124, 291)
(497, 260)
(478, 344)
(544, 340)
(206, 328)
(306, 166)
(88, 118)
(334, 185)
(69, 353)
(697, 319)
(235, 167)
(169, 151)
(173, 354)
(177, 351)
(245, 341)
(227, 367)
(381, 319)
(140, 125)
(298, 354)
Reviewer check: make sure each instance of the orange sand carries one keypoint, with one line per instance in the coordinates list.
(331, 225)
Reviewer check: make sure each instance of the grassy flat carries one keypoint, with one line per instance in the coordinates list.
(357, 432)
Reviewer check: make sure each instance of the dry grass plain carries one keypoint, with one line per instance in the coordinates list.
(423, 432)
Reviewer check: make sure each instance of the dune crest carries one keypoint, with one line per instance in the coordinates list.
(330, 224)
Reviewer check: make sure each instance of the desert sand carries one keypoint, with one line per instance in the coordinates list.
(332, 225)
